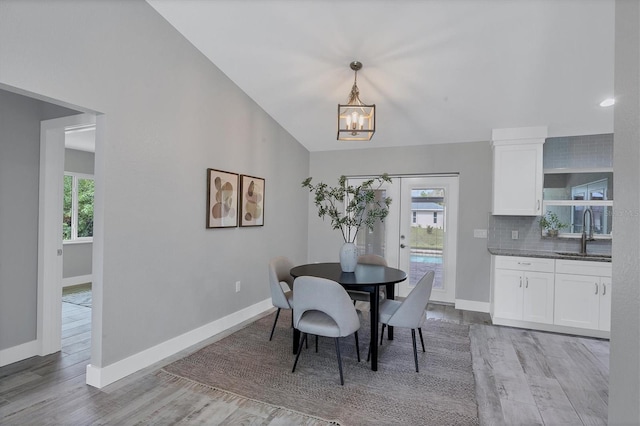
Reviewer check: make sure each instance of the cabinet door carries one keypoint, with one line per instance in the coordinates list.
(538, 297)
(605, 304)
(508, 291)
(517, 180)
(577, 301)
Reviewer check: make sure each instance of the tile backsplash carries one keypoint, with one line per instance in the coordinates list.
(530, 238)
(576, 152)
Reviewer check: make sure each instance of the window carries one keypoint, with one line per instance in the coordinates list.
(435, 217)
(568, 195)
(77, 212)
(414, 217)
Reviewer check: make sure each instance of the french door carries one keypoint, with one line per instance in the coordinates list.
(428, 233)
(420, 232)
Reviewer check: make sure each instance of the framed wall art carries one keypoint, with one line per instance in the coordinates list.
(222, 199)
(251, 201)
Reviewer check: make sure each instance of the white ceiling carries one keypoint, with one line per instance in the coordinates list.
(82, 138)
(439, 71)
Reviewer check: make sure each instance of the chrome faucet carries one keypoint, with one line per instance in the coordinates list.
(585, 238)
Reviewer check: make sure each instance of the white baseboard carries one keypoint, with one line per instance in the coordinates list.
(551, 327)
(102, 376)
(472, 305)
(18, 353)
(80, 279)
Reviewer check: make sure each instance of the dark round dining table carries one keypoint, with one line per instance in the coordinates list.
(366, 278)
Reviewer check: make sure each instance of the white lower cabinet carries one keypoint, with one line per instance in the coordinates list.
(523, 289)
(583, 295)
(568, 296)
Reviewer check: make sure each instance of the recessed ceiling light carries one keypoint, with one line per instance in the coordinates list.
(607, 102)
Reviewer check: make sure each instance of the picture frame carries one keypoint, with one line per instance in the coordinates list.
(222, 199)
(251, 201)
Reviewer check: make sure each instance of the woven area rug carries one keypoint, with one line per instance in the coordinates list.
(246, 363)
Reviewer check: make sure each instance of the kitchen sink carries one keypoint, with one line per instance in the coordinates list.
(584, 255)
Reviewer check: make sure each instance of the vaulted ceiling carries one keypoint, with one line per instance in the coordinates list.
(439, 71)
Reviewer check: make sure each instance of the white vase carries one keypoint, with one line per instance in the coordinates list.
(348, 257)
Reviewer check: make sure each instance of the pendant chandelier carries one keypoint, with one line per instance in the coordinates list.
(356, 121)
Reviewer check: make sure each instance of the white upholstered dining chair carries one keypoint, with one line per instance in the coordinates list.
(368, 259)
(279, 276)
(410, 313)
(323, 308)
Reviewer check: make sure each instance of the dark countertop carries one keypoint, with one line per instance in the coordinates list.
(593, 257)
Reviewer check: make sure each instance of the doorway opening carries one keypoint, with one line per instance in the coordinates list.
(67, 245)
(77, 235)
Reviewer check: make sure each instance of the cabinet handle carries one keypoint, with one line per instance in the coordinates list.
(527, 280)
(596, 287)
(604, 289)
(538, 208)
(520, 282)
(524, 263)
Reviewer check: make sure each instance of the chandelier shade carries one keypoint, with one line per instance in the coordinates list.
(356, 120)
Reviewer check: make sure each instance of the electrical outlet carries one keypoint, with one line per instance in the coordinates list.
(514, 235)
(479, 233)
(237, 286)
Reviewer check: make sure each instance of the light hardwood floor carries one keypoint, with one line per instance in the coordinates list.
(522, 377)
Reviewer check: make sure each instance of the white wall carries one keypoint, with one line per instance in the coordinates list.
(471, 160)
(19, 180)
(79, 161)
(624, 371)
(19, 159)
(76, 263)
(170, 114)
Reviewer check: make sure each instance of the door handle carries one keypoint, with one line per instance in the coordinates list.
(402, 246)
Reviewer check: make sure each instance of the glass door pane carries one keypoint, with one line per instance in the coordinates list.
(373, 241)
(383, 239)
(427, 234)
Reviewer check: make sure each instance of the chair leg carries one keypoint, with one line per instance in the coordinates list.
(274, 324)
(357, 346)
(415, 349)
(304, 338)
(421, 339)
(339, 360)
(382, 334)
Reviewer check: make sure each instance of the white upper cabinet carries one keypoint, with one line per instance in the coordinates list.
(517, 171)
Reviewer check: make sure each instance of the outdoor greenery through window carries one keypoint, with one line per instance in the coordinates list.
(77, 214)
